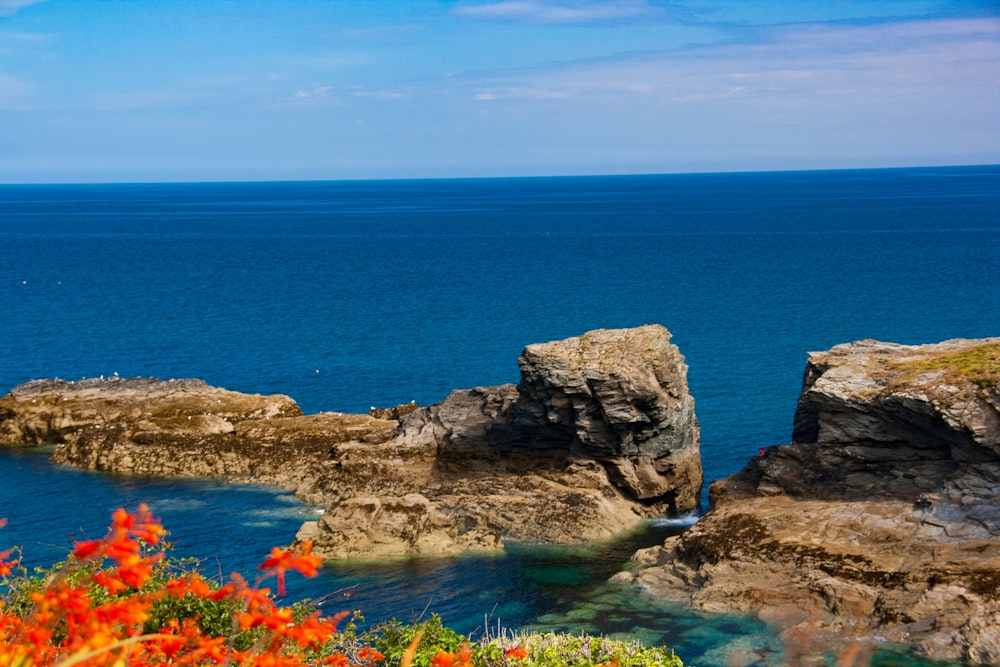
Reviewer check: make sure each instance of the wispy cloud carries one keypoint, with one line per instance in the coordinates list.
(367, 93)
(8, 7)
(326, 95)
(318, 92)
(524, 93)
(545, 12)
(813, 62)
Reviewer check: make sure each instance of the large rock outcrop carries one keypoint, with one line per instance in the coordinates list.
(599, 434)
(881, 521)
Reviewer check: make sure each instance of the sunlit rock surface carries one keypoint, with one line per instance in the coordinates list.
(599, 434)
(881, 522)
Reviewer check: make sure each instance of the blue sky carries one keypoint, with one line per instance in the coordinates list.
(170, 90)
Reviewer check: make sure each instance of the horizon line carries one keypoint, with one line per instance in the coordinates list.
(362, 179)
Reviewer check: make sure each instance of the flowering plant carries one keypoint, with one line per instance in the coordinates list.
(117, 602)
(113, 603)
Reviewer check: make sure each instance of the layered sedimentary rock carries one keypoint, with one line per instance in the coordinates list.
(880, 522)
(599, 434)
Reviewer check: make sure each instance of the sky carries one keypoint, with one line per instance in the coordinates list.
(215, 90)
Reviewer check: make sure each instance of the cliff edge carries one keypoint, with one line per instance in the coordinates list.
(880, 522)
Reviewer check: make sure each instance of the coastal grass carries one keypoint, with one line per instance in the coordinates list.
(979, 365)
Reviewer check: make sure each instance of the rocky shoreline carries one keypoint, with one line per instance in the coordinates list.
(880, 522)
(599, 434)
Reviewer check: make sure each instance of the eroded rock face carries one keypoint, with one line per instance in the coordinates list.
(599, 434)
(882, 521)
(619, 397)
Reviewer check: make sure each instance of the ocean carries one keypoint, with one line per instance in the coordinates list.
(352, 294)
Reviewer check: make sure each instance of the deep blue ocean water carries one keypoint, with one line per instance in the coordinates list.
(346, 295)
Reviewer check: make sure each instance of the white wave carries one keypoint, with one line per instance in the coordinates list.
(688, 519)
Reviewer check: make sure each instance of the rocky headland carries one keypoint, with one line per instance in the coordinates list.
(880, 522)
(599, 434)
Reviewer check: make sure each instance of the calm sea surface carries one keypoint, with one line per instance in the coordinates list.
(346, 295)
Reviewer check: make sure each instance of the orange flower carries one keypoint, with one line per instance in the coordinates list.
(271, 618)
(313, 631)
(368, 654)
(443, 659)
(7, 566)
(461, 658)
(518, 653)
(84, 550)
(300, 559)
(112, 633)
(192, 584)
(146, 527)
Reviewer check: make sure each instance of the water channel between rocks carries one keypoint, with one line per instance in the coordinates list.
(528, 587)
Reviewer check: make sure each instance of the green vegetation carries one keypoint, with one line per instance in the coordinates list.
(530, 650)
(979, 365)
(178, 593)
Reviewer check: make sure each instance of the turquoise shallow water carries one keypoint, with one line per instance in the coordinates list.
(530, 587)
(351, 294)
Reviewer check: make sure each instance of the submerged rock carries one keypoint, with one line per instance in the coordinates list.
(880, 522)
(599, 434)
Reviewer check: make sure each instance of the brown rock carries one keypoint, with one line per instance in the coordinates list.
(881, 522)
(619, 397)
(600, 434)
(53, 411)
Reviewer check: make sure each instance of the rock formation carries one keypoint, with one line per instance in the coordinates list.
(880, 522)
(599, 434)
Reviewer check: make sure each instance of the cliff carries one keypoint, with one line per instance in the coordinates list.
(599, 434)
(881, 521)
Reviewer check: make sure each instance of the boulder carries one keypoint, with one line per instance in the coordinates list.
(599, 435)
(880, 522)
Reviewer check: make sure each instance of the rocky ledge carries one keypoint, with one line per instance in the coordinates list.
(881, 521)
(599, 434)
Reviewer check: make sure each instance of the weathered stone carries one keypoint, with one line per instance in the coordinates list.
(881, 522)
(52, 411)
(619, 397)
(485, 463)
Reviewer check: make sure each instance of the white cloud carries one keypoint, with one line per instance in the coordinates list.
(811, 62)
(8, 7)
(359, 91)
(520, 93)
(547, 12)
